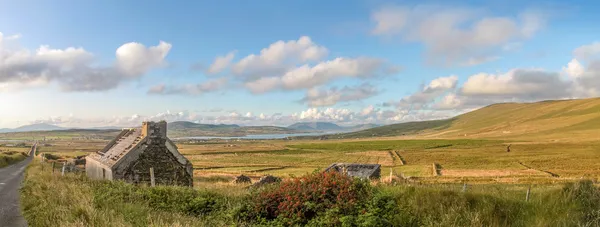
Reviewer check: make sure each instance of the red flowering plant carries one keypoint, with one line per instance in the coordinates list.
(298, 200)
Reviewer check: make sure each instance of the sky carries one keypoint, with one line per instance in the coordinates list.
(117, 63)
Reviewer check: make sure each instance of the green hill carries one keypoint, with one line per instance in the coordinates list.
(190, 129)
(564, 119)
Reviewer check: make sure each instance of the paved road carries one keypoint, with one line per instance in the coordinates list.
(10, 182)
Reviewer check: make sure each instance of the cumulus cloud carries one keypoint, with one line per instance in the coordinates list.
(574, 69)
(427, 94)
(443, 94)
(195, 89)
(278, 57)
(135, 59)
(73, 68)
(221, 63)
(298, 65)
(306, 77)
(517, 85)
(455, 36)
(328, 97)
(263, 85)
(521, 84)
(586, 52)
(581, 80)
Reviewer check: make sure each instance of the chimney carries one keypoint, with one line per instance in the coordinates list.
(154, 129)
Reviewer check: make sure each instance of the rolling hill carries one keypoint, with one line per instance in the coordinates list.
(190, 129)
(564, 119)
(33, 128)
(328, 126)
(316, 126)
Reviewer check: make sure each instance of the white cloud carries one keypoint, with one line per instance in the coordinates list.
(574, 69)
(321, 97)
(519, 83)
(450, 101)
(136, 59)
(390, 19)
(190, 89)
(586, 52)
(427, 94)
(221, 63)
(367, 110)
(263, 84)
(279, 56)
(308, 77)
(298, 65)
(472, 61)
(442, 83)
(455, 36)
(73, 67)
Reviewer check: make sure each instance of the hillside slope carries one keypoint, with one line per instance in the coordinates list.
(315, 126)
(565, 119)
(190, 129)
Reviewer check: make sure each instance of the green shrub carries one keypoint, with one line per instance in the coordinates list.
(328, 195)
(175, 199)
(49, 156)
(586, 199)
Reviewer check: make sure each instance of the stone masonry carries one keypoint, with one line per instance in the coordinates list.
(130, 156)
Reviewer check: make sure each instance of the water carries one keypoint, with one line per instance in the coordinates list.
(256, 137)
(11, 141)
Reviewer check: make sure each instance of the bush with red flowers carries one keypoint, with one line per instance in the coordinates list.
(299, 200)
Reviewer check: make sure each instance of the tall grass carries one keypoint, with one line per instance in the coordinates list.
(73, 200)
(11, 157)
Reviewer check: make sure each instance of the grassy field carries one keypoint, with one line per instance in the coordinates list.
(11, 155)
(475, 161)
(73, 200)
(460, 160)
(552, 145)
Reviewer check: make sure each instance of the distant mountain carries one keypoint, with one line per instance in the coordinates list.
(180, 125)
(104, 128)
(361, 127)
(190, 129)
(49, 127)
(33, 128)
(316, 126)
(328, 126)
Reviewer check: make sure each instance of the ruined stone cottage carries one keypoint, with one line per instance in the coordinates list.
(133, 152)
(364, 171)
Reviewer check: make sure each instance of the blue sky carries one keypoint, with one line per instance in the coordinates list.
(75, 63)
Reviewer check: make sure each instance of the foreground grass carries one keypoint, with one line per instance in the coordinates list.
(73, 200)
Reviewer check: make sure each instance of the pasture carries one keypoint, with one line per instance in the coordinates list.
(484, 161)
(474, 161)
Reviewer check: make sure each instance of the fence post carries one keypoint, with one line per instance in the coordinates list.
(152, 182)
(464, 189)
(528, 192)
(63, 169)
(53, 164)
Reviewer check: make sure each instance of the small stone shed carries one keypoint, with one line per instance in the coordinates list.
(364, 171)
(133, 152)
